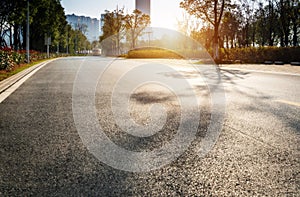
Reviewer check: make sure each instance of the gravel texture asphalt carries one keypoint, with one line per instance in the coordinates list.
(256, 154)
(286, 68)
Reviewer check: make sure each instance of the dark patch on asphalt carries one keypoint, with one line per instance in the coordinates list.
(41, 153)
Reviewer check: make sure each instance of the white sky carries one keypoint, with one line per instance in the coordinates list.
(164, 13)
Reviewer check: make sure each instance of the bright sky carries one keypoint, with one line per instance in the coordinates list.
(164, 13)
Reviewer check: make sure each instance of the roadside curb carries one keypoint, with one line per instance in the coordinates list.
(9, 85)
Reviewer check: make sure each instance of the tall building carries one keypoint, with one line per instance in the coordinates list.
(102, 16)
(143, 5)
(89, 26)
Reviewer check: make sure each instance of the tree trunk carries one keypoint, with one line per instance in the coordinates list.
(232, 41)
(295, 22)
(271, 21)
(216, 43)
(286, 36)
(133, 43)
(16, 36)
(295, 35)
(118, 44)
(253, 36)
(247, 35)
(227, 43)
(24, 36)
(10, 36)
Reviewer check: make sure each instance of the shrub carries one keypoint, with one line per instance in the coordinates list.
(261, 54)
(153, 52)
(6, 60)
(18, 58)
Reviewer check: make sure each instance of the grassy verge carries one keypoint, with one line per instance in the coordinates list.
(6, 74)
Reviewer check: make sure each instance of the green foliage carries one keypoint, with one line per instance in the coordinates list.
(10, 59)
(247, 23)
(115, 24)
(6, 74)
(135, 23)
(18, 58)
(47, 17)
(6, 61)
(210, 11)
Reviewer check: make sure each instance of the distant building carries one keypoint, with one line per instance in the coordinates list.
(143, 5)
(89, 26)
(101, 23)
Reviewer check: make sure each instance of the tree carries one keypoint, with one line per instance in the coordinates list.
(210, 11)
(288, 21)
(112, 29)
(135, 23)
(204, 36)
(229, 29)
(260, 24)
(295, 21)
(46, 17)
(244, 15)
(185, 25)
(12, 17)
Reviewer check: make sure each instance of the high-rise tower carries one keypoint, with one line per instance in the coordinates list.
(143, 5)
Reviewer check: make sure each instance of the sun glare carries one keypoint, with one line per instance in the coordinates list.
(165, 13)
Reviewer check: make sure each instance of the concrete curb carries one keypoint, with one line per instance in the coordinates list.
(10, 84)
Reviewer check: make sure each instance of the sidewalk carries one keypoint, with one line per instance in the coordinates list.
(9, 85)
(286, 68)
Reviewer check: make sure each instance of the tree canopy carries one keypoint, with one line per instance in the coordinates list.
(135, 23)
(47, 19)
(210, 11)
(244, 23)
(117, 26)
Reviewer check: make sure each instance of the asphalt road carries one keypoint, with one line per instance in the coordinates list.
(42, 152)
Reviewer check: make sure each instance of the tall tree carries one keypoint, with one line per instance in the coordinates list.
(230, 28)
(46, 17)
(295, 18)
(208, 10)
(12, 16)
(112, 29)
(261, 24)
(135, 23)
(245, 10)
(204, 36)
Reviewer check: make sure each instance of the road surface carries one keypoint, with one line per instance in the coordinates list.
(42, 153)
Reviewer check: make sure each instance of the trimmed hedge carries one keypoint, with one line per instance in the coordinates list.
(241, 55)
(153, 52)
(261, 54)
(156, 52)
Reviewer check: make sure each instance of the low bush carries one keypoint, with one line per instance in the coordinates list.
(6, 60)
(153, 52)
(10, 59)
(261, 54)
